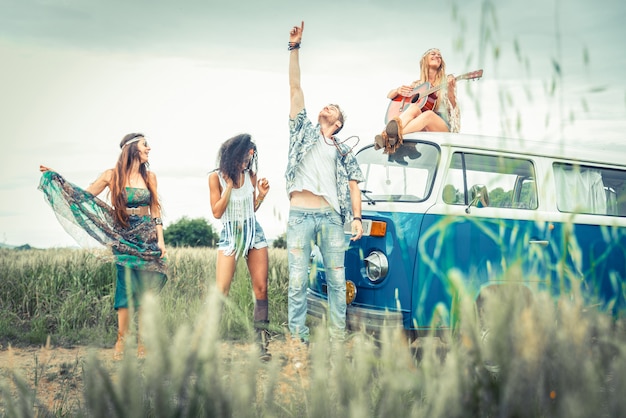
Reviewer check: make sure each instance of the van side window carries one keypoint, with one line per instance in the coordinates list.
(590, 190)
(510, 182)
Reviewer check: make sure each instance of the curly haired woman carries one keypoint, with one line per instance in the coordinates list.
(234, 201)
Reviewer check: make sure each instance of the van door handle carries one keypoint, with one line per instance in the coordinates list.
(542, 242)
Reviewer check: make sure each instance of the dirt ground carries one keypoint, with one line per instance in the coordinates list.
(55, 373)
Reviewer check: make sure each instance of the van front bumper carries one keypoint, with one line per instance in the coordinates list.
(357, 318)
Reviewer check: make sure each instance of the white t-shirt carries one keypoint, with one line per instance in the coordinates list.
(317, 174)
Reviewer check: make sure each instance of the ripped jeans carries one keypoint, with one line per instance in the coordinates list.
(321, 227)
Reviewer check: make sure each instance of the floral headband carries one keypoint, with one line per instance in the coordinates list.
(135, 139)
(431, 50)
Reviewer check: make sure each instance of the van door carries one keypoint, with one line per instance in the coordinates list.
(484, 228)
(589, 236)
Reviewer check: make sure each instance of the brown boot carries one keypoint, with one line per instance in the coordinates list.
(263, 340)
(394, 133)
(379, 141)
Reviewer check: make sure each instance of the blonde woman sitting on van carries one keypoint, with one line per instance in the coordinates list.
(437, 113)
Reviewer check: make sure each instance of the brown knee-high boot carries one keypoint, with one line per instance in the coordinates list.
(261, 324)
(262, 337)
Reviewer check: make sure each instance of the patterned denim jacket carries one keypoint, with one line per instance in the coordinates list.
(302, 136)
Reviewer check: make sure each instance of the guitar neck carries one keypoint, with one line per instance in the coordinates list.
(468, 76)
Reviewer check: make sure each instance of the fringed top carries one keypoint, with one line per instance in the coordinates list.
(238, 218)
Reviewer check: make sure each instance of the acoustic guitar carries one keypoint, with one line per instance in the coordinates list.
(423, 95)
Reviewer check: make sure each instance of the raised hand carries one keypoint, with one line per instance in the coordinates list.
(295, 34)
(264, 186)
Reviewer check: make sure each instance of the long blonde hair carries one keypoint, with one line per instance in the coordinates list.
(121, 174)
(440, 77)
(441, 71)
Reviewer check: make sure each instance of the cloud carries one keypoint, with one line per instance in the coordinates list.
(79, 74)
(217, 29)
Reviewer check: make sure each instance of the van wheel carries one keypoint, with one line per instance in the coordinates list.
(488, 364)
(485, 334)
(489, 305)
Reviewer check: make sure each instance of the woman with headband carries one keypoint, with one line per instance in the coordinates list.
(132, 227)
(437, 112)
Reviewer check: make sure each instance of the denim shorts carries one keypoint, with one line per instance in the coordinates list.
(259, 239)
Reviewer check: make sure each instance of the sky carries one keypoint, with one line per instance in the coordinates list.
(77, 75)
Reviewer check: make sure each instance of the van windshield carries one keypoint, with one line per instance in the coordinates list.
(405, 176)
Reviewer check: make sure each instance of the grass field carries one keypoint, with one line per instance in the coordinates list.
(545, 359)
(67, 294)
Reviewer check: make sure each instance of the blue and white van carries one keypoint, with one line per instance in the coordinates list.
(492, 211)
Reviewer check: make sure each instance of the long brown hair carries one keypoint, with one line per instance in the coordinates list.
(121, 174)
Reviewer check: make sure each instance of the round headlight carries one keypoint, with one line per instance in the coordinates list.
(376, 266)
(350, 291)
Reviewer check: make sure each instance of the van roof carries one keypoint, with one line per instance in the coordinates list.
(594, 150)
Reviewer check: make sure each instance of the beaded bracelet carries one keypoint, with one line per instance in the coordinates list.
(157, 221)
(293, 45)
(258, 202)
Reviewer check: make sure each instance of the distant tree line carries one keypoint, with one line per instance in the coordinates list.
(190, 233)
(200, 233)
(280, 241)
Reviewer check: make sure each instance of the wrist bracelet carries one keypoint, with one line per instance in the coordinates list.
(157, 221)
(357, 218)
(293, 45)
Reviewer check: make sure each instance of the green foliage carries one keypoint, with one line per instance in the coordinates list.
(68, 294)
(58, 292)
(539, 359)
(280, 241)
(499, 198)
(520, 357)
(190, 233)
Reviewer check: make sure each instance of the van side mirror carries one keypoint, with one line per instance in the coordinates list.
(479, 197)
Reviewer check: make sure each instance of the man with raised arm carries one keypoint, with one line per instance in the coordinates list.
(322, 183)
